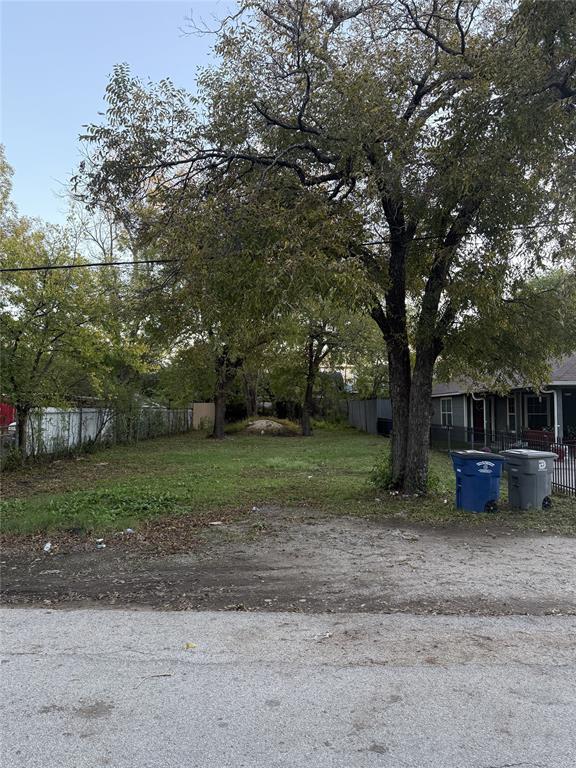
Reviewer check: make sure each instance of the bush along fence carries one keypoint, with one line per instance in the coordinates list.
(364, 414)
(63, 430)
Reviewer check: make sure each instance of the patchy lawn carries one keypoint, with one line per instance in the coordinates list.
(191, 476)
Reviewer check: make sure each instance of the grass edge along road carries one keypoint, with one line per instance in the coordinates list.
(190, 475)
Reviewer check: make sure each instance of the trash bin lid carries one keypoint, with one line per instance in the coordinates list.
(477, 455)
(527, 453)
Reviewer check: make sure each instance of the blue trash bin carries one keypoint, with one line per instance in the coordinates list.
(477, 480)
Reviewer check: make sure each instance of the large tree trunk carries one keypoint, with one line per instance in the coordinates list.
(411, 391)
(392, 323)
(418, 442)
(410, 395)
(411, 398)
(431, 330)
(400, 387)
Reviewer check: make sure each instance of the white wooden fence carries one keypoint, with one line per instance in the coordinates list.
(56, 430)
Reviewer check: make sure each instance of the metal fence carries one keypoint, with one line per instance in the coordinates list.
(455, 438)
(369, 415)
(62, 430)
(564, 478)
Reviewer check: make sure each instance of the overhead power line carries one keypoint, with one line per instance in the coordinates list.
(41, 267)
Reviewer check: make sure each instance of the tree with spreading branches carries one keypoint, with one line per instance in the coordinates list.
(447, 124)
(243, 262)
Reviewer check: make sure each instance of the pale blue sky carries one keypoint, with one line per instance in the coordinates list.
(56, 59)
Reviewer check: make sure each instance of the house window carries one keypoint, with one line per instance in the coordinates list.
(511, 414)
(538, 411)
(446, 411)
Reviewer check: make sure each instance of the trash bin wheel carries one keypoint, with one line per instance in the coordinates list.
(547, 502)
(491, 506)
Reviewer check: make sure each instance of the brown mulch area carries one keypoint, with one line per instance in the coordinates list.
(161, 536)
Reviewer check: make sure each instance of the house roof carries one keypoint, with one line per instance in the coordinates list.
(563, 372)
(451, 388)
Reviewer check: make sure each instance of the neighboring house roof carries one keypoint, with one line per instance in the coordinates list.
(451, 388)
(563, 372)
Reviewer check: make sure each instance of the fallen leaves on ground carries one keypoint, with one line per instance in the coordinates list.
(161, 536)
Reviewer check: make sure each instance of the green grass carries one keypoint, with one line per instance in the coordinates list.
(190, 474)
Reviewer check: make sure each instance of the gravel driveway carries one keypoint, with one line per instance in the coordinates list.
(295, 560)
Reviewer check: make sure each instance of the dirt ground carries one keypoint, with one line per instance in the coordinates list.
(282, 559)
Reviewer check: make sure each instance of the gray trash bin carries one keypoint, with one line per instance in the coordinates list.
(529, 477)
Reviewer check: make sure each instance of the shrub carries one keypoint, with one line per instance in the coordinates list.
(237, 426)
(381, 476)
(12, 458)
(335, 426)
(381, 473)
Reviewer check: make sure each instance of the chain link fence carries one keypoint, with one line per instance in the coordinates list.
(63, 430)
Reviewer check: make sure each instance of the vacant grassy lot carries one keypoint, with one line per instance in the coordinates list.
(189, 474)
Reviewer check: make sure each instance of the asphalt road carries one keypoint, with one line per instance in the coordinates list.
(89, 688)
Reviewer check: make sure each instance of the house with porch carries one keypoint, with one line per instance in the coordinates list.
(478, 415)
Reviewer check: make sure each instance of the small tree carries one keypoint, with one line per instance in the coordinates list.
(49, 342)
(245, 259)
(307, 341)
(66, 333)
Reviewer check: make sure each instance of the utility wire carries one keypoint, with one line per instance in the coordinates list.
(40, 268)
(384, 241)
